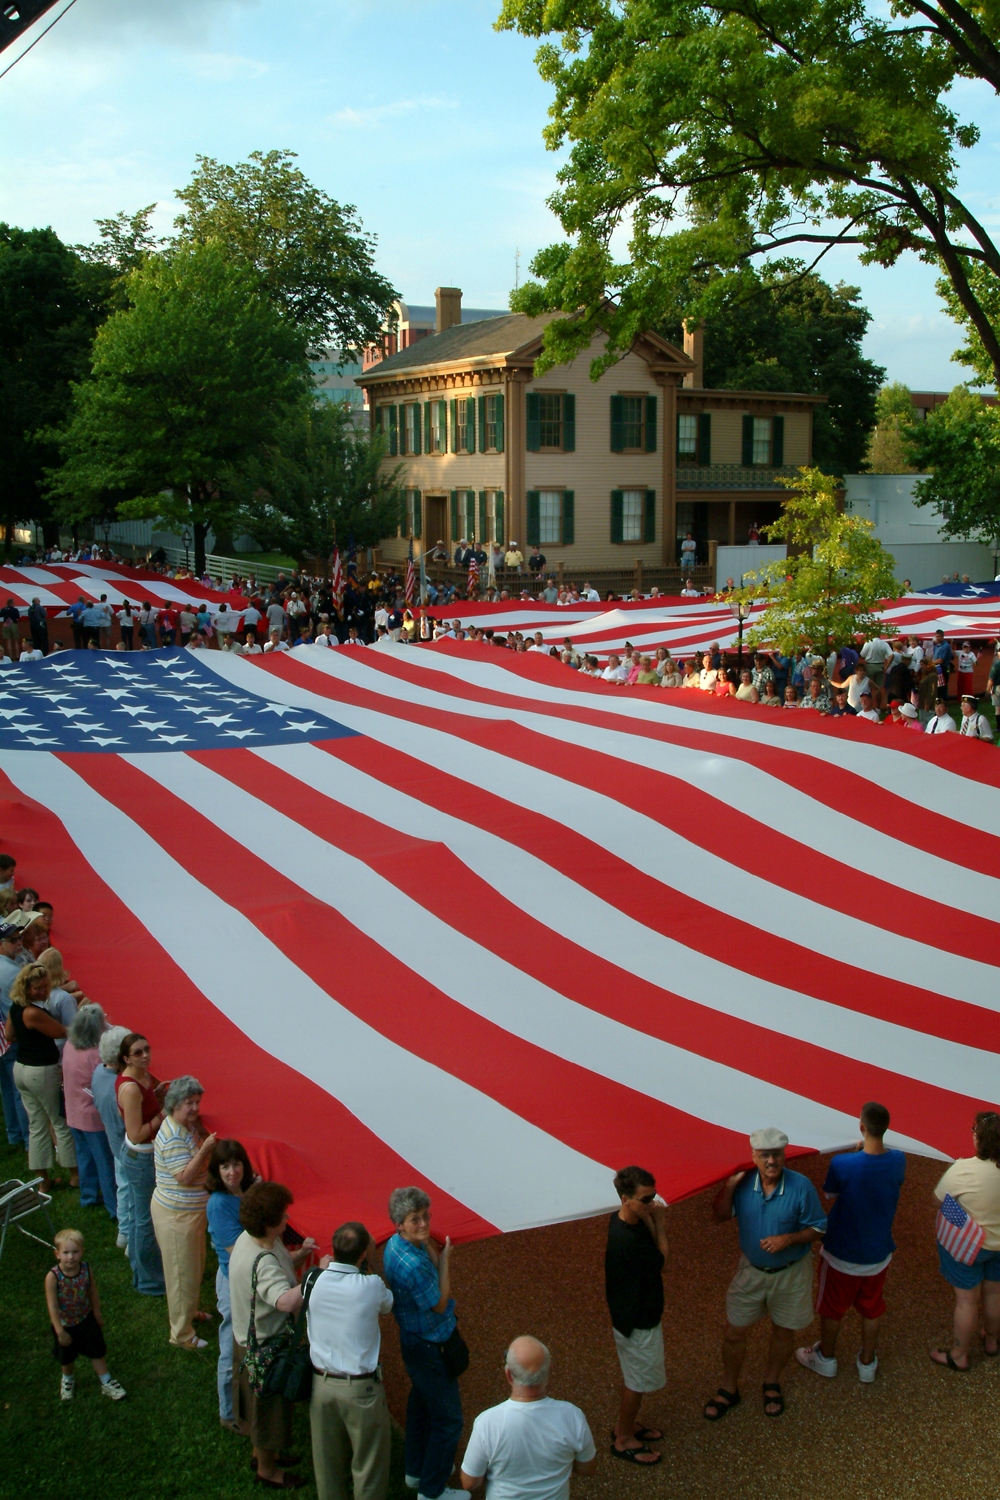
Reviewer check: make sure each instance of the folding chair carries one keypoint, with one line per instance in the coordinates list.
(17, 1201)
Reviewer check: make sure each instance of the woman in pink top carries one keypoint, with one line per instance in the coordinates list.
(94, 1158)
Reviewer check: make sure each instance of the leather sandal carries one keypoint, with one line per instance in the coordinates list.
(631, 1456)
(773, 1397)
(722, 1401)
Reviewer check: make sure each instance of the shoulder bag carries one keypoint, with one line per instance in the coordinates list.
(280, 1365)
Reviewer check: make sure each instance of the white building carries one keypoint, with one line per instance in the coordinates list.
(912, 533)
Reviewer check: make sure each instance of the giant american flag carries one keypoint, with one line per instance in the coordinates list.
(460, 917)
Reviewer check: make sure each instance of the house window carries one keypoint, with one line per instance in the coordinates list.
(495, 513)
(687, 440)
(413, 513)
(439, 426)
(410, 429)
(762, 440)
(550, 415)
(493, 423)
(633, 504)
(550, 517)
(632, 414)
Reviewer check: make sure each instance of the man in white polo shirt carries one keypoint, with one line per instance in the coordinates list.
(529, 1446)
(347, 1410)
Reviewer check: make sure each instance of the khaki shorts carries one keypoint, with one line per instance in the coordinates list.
(641, 1358)
(786, 1295)
(875, 671)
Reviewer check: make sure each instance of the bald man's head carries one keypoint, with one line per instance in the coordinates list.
(528, 1362)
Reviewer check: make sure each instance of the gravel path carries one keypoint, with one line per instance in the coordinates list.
(918, 1431)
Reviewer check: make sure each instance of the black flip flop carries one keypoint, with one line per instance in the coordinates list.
(723, 1401)
(959, 1369)
(628, 1455)
(644, 1434)
(773, 1397)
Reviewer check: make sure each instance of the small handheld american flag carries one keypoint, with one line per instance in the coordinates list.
(473, 583)
(337, 583)
(411, 577)
(957, 1231)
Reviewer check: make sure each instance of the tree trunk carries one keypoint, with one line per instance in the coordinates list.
(200, 532)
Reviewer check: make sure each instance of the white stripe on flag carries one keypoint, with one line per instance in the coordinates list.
(473, 1147)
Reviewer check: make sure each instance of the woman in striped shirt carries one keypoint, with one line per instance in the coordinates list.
(181, 1154)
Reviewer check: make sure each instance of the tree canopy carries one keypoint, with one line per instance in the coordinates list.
(788, 330)
(830, 586)
(50, 305)
(311, 254)
(721, 131)
(887, 450)
(319, 484)
(188, 382)
(958, 447)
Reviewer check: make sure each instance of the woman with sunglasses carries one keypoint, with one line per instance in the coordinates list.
(633, 1280)
(140, 1098)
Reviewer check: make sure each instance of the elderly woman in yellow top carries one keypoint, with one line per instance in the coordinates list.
(181, 1154)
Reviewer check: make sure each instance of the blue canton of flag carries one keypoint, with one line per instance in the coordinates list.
(138, 701)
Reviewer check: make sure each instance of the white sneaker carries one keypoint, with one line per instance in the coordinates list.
(67, 1386)
(112, 1389)
(412, 1481)
(197, 1343)
(866, 1373)
(121, 1242)
(818, 1363)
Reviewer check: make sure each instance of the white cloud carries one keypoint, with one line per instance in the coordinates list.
(376, 114)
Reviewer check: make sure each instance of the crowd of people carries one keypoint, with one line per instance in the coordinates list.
(81, 1093)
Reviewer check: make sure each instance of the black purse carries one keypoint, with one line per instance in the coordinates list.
(455, 1354)
(280, 1366)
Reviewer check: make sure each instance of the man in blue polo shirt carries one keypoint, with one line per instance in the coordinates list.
(779, 1216)
(858, 1246)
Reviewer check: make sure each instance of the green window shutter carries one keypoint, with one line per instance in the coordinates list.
(778, 441)
(393, 445)
(454, 426)
(705, 438)
(649, 517)
(500, 424)
(481, 403)
(498, 514)
(454, 515)
(418, 514)
(416, 429)
(427, 426)
(617, 424)
(569, 423)
(747, 442)
(650, 424)
(617, 516)
(403, 529)
(534, 519)
(483, 538)
(533, 425)
(470, 425)
(470, 515)
(568, 518)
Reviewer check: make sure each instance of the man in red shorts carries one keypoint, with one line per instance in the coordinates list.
(857, 1248)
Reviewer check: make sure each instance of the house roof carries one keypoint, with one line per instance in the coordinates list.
(485, 339)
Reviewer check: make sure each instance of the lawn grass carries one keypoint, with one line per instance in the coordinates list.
(164, 1440)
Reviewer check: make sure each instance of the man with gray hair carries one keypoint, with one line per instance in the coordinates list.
(779, 1216)
(102, 1087)
(348, 1414)
(419, 1276)
(529, 1444)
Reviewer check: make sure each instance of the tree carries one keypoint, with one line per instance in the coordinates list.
(188, 382)
(887, 450)
(311, 253)
(319, 485)
(721, 131)
(958, 447)
(831, 585)
(124, 242)
(788, 330)
(50, 306)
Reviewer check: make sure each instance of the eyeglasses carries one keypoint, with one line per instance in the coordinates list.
(647, 1198)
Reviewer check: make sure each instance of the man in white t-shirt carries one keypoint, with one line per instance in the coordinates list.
(689, 552)
(529, 1447)
(876, 654)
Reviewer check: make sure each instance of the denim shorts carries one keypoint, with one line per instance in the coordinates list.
(985, 1267)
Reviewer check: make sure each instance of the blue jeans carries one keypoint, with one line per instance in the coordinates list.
(433, 1416)
(225, 1346)
(123, 1193)
(143, 1251)
(15, 1116)
(96, 1166)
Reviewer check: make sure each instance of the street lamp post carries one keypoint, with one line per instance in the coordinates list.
(186, 540)
(741, 612)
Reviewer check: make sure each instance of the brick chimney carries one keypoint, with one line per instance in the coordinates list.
(694, 348)
(448, 302)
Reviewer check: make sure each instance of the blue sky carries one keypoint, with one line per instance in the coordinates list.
(416, 111)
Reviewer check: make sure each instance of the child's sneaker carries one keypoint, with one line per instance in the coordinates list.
(813, 1360)
(67, 1386)
(121, 1243)
(112, 1389)
(866, 1373)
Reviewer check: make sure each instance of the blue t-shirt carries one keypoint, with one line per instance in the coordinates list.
(794, 1205)
(867, 1189)
(224, 1225)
